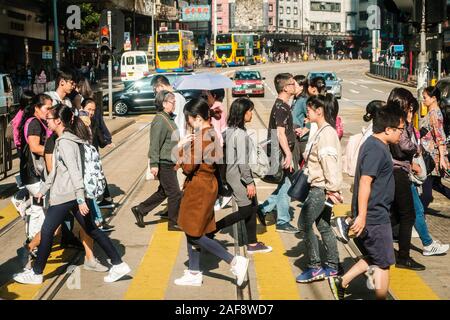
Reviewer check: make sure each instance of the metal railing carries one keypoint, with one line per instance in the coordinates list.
(399, 74)
(5, 147)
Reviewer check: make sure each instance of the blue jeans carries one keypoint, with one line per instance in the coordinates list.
(313, 212)
(280, 199)
(420, 224)
(97, 214)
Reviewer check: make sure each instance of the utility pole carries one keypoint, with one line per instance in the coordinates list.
(56, 34)
(423, 60)
(439, 54)
(110, 68)
(215, 28)
(153, 33)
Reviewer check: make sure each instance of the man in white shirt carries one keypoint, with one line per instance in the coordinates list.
(64, 85)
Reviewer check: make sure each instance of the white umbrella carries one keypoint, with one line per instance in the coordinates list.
(203, 81)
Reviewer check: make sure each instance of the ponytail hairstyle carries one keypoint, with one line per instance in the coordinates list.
(197, 107)
(236, 118)
(36, 101)
(329, 105)
(372, 108)
(71, 123)
(434, 92)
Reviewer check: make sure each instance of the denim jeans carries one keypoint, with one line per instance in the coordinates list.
(420, 224)
(314, 210)
(280, 199)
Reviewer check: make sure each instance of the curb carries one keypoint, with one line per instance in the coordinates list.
(123, 126)
(408, 84)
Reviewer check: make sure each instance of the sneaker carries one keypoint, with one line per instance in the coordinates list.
(190, 279)
(105, 204)
(409, 264)
(330, 272)
(116, 272)
(259, 247)
(310, 275)
(239, 269)
(106, 227)
(436, 248)
(261, 216)
(342, 227)
(139, 217)
(94, 265)
(336, 287)
(286, 228)
(28, 277)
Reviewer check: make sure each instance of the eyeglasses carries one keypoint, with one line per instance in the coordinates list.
(401, 129)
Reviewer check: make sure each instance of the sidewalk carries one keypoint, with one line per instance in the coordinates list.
(8, 185)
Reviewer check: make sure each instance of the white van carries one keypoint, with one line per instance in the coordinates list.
(134, 65)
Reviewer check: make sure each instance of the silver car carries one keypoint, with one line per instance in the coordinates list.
(332, 82)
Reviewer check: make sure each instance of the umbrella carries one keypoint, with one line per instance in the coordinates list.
(203, 81)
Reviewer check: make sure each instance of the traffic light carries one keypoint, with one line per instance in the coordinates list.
(105, 44)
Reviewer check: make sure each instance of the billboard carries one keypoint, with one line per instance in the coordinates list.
(196, 13)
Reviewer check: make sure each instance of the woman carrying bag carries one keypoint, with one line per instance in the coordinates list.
(239, 174)
(324, 171)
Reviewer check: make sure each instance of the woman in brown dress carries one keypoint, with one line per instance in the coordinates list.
(196, 215)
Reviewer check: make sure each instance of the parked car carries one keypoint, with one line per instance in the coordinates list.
(138, 96)
(332, 82)
(247, 83)
(133, 66)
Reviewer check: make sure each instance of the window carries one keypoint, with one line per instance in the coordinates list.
(288, 10)
(325, 6)
(363, 15)
(288, 23)
(281, 23)
(335, 27)
(270, 7)
(141, 60)
(295, 24)
(326, 26)
(295, 10)
(219, 7)
(281, 10)
(219, 21)
(270, 21)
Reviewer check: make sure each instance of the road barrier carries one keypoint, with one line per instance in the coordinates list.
(399, 74)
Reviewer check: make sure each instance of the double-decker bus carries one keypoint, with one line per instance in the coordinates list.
(257, 48)
(225, 45)
(174, 51)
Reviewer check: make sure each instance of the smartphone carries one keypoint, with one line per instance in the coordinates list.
(329, 203)
(37, 202)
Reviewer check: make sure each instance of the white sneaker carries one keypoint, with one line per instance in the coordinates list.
(20, 205)
(28, 277)
(190, 279)
(435, 248)
(240, 269)
(94, 265)
(116, 272)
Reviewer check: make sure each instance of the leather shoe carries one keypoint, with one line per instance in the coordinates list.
(173, 227)
(409, 264)
(261, 216)
(139, 217)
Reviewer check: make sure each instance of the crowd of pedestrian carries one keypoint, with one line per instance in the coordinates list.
(57, 135)
(202, 157)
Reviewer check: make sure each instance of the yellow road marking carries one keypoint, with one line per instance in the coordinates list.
(151, 280)
(8, 214)
(408, 285)
(17, 291)
(275, 280)
(342, 210)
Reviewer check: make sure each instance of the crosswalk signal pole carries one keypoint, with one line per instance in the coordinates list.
(110, 69)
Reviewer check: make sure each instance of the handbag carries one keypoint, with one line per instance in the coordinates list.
(277, 168)
(430, 165)
(300, 187)
(419, 179)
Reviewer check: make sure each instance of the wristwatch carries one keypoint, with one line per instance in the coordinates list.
(80, 201)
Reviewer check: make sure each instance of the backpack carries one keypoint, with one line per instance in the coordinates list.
(350, 158)
(93, 177)
(258, 160)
